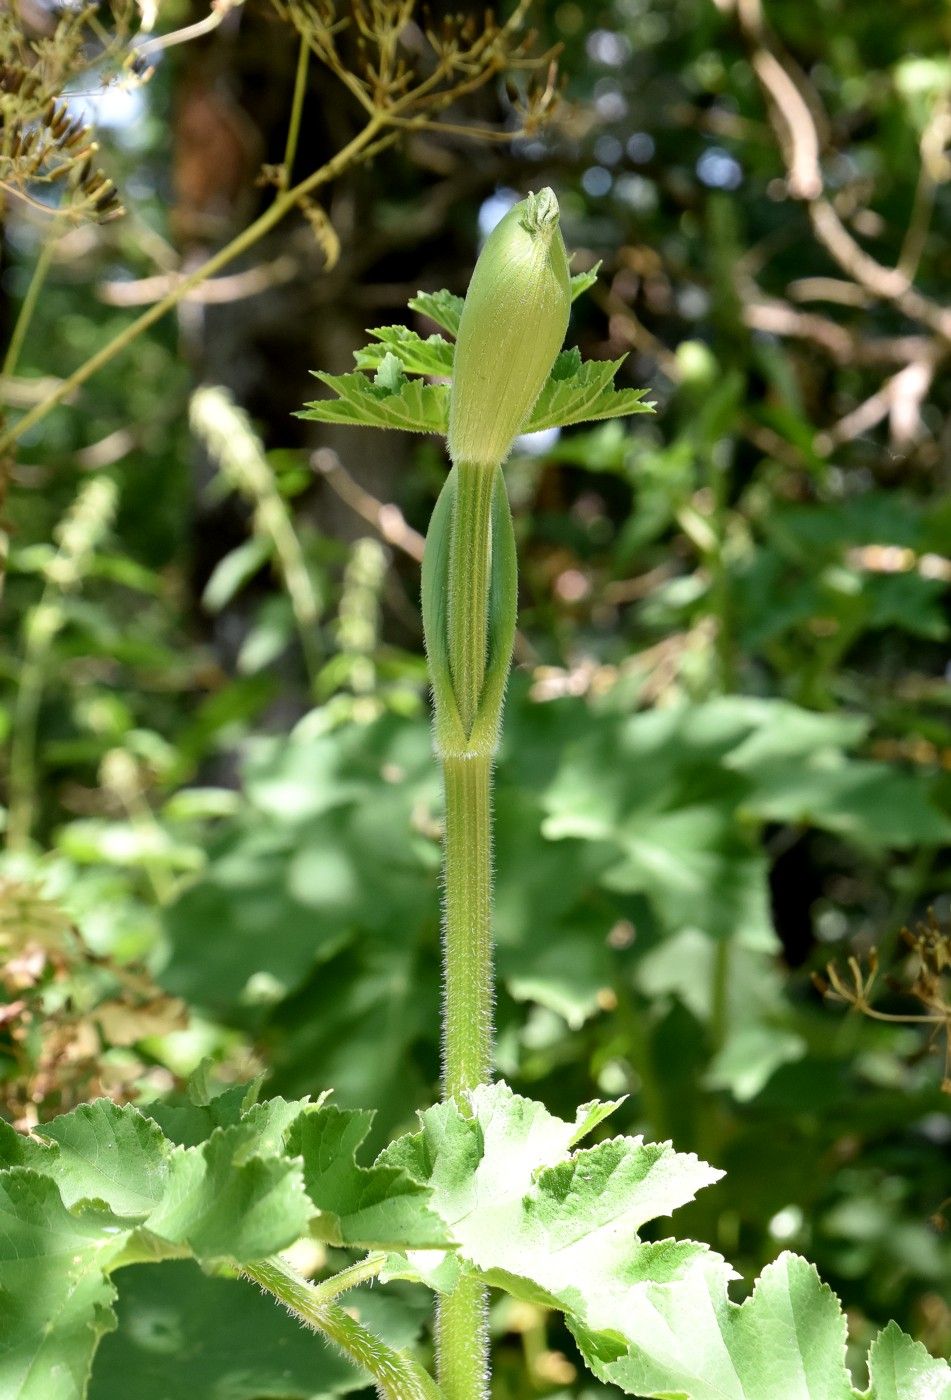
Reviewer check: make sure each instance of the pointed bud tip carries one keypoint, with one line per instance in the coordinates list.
(540, 214)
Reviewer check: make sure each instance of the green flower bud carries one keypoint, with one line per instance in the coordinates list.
(512, 327)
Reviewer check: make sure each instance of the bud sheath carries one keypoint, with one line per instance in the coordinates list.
(513, 325)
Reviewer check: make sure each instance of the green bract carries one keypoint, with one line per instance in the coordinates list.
(513, 325)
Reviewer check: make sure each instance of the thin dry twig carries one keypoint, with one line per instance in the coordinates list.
(235, 286)
(387, 519)
(793, 105)
(798, 120)
(926, 982)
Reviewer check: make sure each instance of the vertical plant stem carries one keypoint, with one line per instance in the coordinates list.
(469, 558)
(462, 1339)
(297, 107)
(467, 981)
(719, 993)
(462, 1335)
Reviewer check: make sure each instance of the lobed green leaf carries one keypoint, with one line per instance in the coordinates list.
(377, 1207)
(416, 355)
(409, 405)
(900, 1368)
(498, 1189)
(576, 392)
(442, 307)
(219, 1179)
(55, 1295)
(561, 1227)
(583, 392)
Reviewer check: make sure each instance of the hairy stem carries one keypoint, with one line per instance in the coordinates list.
(462, 1336)
(360, 1272)
(467, 950)
(462, 1342)
(396, 1375)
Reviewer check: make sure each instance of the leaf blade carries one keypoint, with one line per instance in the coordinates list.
(414, 407)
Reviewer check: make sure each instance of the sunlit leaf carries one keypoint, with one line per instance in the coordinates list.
(583, 392)
(442, 307)
(373, 1207)
(416, 355)
(411, 406)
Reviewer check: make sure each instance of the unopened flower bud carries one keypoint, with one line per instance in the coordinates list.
(512, 327)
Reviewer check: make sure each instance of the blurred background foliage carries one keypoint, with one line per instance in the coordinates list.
(727, 759)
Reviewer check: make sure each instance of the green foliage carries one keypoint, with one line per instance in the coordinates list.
(661, 811)
(740, 609)
(229, 1180)
(377, 1207)
(576, 392)
(181, 1332)
(389, 400)
(653, 1318)
(505, 1184)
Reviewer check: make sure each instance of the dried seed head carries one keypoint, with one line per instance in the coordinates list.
(512, 327)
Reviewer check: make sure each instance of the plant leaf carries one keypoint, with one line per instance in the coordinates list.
(181, 1333)
(901, 1369)
(787, 1338)
(582, 392)
(409, 405)
(373, 1207)
(442, 307)
(416, 356)
(236, 569)
(223, 1202)
(106, 1152)
(561, 1228)
(582, 282)
(56, 1298)
(546, 1225)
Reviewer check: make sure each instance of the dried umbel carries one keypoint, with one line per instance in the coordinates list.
(512, 327)
(43, 143)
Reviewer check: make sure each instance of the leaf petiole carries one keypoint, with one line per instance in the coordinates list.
(396, 1375)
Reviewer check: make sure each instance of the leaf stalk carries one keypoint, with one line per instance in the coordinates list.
(396, 1375)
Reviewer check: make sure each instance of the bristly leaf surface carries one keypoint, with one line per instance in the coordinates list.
(503, 1192)
(561, 1227)
(224, 1181)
